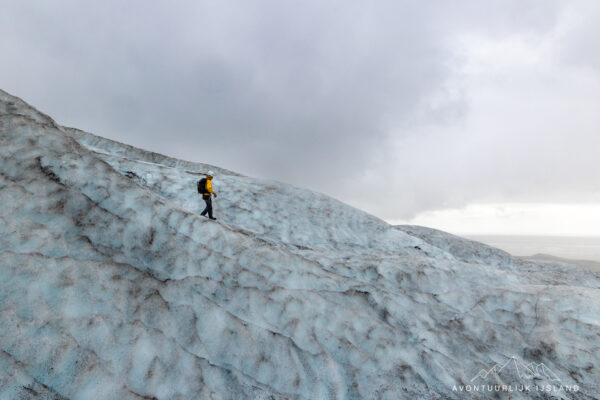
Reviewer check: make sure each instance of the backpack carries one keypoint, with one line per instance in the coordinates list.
(202, 186)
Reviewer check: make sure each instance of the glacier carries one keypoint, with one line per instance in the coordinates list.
(112, 286)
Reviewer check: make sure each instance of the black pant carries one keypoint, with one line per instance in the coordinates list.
(208, 209)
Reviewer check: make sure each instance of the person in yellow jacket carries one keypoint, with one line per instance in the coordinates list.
(205, 188)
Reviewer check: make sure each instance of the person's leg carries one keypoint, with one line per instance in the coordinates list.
(208, 207)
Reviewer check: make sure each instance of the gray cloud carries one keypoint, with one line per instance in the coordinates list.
(321, 94)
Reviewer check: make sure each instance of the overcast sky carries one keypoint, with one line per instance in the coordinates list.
(407, 109)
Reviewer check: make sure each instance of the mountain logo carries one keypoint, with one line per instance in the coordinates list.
(522, 370)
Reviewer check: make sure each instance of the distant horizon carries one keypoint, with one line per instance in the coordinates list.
(495, 234)
(575, 248)
(568, 247)
(523, 219)
(524, 235)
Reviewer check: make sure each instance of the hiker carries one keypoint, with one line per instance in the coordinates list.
(206, 190)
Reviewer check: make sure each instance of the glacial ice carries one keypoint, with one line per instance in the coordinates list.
(113, 287)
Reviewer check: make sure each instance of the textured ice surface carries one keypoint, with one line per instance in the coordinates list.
(113, 287)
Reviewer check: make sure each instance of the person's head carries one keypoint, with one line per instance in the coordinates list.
(210, 174)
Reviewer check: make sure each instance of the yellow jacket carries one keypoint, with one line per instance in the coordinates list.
(209, 188)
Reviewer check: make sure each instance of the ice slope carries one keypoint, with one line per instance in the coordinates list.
(113, 287)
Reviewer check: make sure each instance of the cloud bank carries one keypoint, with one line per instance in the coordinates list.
(397, 107)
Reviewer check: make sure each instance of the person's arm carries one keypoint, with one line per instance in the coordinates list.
(209, 187)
